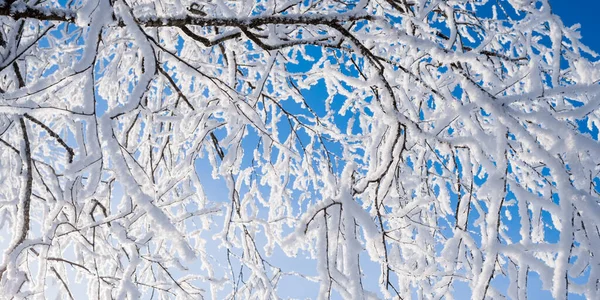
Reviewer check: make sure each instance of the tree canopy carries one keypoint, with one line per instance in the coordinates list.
(221, 148)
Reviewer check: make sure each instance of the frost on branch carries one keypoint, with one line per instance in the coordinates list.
(242, 149)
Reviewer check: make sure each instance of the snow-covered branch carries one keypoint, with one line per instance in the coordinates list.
(243, 149)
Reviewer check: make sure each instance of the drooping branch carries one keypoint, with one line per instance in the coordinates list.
(53, 134)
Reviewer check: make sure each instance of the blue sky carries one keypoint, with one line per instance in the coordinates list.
(584, 12)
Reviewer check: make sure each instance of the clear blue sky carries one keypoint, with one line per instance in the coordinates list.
(584, 12)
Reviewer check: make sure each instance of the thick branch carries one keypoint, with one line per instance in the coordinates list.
(70, 16)
(24, 208)
(28, 185)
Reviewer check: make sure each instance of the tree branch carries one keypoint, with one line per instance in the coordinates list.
(70, 16)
